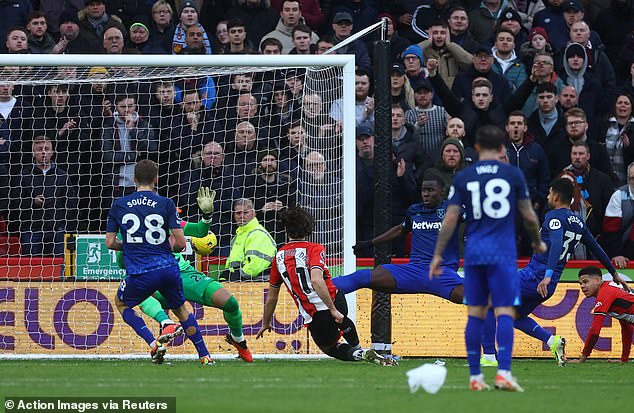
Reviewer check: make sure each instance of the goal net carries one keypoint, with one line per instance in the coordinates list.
(275, 130)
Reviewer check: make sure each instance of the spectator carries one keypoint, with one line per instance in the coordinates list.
(271, 47)
(568, 98)
(406, 146)
(42, 203)
(290, 17)
(293, 150)
(72, 41)
(576, 131)
(400, 88)
(595, 188)
(482, 67)
(161, 28)
(511, 20)
(547, 123)
(15, 135)
(162, 113)
(284, 109)
(271, 191)
(208, 169)
(252, 247)
(413, 61)
(321, 194)
(258, 16)
(238, 42)
(302, 43)
(620, 130)
(450, 162)
(617, 235)
(364, 102)
(451, 57)
(221, 40)
(140, 35)
(573, 13)
(427, 14)
(40, 42)
(342, 27)
(14, 14)
(188, 16)
(528, 156)
(455, 129)
(194, 41)
(551, 18)
(94, 21)
(429, 121)
(126, 138)
(17, 40)
(404, 10)
(545, 74)
(482, 110)
(113, 41)
(505, 60)
(311, 11)
(483, 19)
(537, 44)
(325, 43)
(241, 154)
(458, 27)
(592, 96)
(364, 13)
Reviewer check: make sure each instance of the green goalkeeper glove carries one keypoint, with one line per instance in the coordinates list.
(205, 201)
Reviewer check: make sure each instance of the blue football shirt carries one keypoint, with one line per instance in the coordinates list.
(561, 231)
(425, 223)
(489, 191)
(145, 220)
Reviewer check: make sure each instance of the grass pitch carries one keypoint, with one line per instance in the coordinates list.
(321, 385)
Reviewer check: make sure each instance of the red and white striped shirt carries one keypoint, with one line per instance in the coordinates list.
(292, 265)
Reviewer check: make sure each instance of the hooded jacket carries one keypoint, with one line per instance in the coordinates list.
(443, 171)
(531, 159)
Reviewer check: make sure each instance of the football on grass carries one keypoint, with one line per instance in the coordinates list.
(204, 246)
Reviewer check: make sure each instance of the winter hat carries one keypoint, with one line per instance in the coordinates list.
(416, 51)
(68, 16)
(575, 49)
(388, 16)
(540, 31)
(273, 152)
(510, 14)
(186, 4)
(456, 142)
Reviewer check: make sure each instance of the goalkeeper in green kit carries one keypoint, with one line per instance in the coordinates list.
(198, 287)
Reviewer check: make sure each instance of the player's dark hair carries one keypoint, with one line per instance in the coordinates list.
(593, 271)
(298, 222)
(490, 137)
(145, 171)
(564, 188)
(428, 176)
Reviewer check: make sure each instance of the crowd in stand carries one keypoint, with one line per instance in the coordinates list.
(557, 75)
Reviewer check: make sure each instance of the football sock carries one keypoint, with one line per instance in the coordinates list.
(505, 341)
(341, 351)
(473, 339)
(530, 327)
(349, 331)
(551, 341)
(152, 308)
(233, 316)
(353, 282)
(197, 337)
(137, 323)
(488, 333)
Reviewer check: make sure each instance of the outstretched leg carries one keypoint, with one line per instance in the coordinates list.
(378, 279)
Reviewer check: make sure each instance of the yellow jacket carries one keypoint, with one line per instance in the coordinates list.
(252, 250)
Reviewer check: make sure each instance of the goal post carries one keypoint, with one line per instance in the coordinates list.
(68, 309)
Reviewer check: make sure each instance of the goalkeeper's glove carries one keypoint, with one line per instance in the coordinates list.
(205, 201)
(360, 246)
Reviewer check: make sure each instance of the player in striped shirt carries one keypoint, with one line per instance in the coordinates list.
(301, 266)
(611, 301)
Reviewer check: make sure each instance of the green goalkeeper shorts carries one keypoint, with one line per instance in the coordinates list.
(195, 284)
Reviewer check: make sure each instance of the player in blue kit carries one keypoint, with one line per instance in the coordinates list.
(424, 221)
(146, 220)
(561, 231)
(489, 191)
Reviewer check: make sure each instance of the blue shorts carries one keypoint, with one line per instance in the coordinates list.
(136, 288)
(413, 278)
(528, 290)
(499, 282)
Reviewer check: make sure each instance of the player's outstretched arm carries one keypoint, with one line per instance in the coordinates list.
(112, 242)
(269, 309)
(388, 236)
(317, 279)
(449, 223)
(593, 337)
(531, 223)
